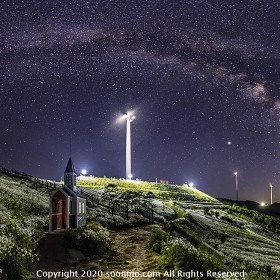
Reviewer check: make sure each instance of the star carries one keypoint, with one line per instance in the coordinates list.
(201, 76)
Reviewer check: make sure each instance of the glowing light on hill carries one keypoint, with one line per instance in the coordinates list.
(84, 172)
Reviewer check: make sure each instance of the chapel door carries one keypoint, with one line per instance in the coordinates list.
(58, 211)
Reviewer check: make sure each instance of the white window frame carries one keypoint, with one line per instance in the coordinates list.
(80, 207)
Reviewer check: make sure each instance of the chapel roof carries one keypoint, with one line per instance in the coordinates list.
(70, 166)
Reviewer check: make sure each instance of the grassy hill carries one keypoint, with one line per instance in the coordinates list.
(152, 227)
(160, 191)
(273, 210)
(142, 200)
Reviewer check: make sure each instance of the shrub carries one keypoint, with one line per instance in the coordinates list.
(178, 211)
(229, 220)
(217, 214)
(71, 237)
(182, 226)
(178, 254)
(92, 239)
(192, 207)
(157, 239)
(206, 210)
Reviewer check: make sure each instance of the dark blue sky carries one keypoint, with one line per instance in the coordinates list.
(197, 75)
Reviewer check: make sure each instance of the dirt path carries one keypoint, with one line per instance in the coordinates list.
(131, 245)
(52, 254)
(54, 257)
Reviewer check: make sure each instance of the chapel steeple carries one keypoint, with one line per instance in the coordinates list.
(70, 176)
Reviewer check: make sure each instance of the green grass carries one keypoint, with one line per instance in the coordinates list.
(159, 191)
(269, 222)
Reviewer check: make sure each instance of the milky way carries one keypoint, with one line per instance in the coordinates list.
(197, 75)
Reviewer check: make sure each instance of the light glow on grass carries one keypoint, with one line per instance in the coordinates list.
(86, 178)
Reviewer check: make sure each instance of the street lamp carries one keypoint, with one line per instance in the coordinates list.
(129, 119)
(236, 184)
(271, 200)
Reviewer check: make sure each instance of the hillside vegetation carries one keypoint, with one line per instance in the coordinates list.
(23, 219)
(160, 191)
(118, 202)
(193, 231)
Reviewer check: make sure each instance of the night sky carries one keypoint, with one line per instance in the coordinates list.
(196, 75)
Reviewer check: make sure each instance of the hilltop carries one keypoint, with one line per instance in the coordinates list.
(152, 227)
(159, 191)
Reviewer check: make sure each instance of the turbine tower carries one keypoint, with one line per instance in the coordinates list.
(271, 199)
(236, 184)
(129, 119)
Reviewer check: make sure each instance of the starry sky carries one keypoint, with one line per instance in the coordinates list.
(201, 77)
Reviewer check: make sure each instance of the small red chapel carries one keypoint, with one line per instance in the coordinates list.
(67, 208)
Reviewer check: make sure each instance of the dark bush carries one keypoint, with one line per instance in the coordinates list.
(92, 239)
(157, 239)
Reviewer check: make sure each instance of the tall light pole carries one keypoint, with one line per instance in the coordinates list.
(129, 119)
(236, 184)
(271, 200)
